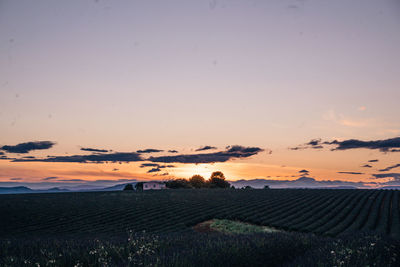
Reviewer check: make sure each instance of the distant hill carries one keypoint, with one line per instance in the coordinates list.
(27, 190)
(116, 187)
(302, 182)
(397, 187)
(15, 190)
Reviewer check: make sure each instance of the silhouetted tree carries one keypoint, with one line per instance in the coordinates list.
(217, 180)
(178, 183)
(128, 187)
(139, 186)
(218, 174)
(197, 181)
(266, 187)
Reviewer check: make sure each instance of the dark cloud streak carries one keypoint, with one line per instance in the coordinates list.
(93, 158)
(223, 156)
(149, 150)
(94, 150)
(390, 168)
(23, 148)
(205, 148)
(355, 173)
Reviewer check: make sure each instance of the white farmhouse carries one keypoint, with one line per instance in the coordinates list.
(153, 186)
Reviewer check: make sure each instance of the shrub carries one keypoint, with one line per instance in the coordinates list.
(128, 187)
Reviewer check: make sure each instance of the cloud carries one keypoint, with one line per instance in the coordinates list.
(93, 158)
(97, 173)
(26, 147)
(394, 176)
(15, 179)
(389, 168)
(115, 169)
(173, 151)
(356, 173)
(144, 165)
(366, 166)
(162, 174)
(1, 153)
(342, 120)
(386, 145)
(154, 170)
(167, 166)
(94, 150)
(314, 144)
(373, 160)
(304, 172)
(149, 150)
(72, 180)
(205, 148)
(6, 158)
(49, 178)
(157, 167)
(223, 156)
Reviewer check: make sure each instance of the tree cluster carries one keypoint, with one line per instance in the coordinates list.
(216, 180)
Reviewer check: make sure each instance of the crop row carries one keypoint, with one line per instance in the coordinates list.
(322, 211)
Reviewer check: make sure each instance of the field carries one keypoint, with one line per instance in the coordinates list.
(312, 222)
(326, 212)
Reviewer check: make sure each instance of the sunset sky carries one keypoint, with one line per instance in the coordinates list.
(265, 88)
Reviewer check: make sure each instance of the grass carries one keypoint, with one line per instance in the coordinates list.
(237, 227)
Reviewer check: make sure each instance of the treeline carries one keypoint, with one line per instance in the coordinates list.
(216, 180)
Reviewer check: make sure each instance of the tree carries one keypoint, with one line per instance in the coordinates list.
(217, 180)
(139, 186)
(218, 174)
(266, 187)
(178, 183)
(197, 181)
(128, 187)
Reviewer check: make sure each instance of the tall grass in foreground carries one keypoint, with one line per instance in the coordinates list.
(204, 249)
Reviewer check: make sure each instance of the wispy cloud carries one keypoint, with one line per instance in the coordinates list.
(355, 173)
(205, 148)
(366, 166)
(93, 158)
(94, 150)
(386, 145)
(149, 150)
(314, 144)
(50, 178)
(154, 170)
(223, 156)
(390, 168)
(340, 119)
(394, 176)
(23, 148)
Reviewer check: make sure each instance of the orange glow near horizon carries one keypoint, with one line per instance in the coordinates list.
(235, 170)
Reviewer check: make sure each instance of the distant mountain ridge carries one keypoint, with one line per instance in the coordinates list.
(302, 182)
(27, 190)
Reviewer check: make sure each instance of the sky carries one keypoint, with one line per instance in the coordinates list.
(269, 87)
